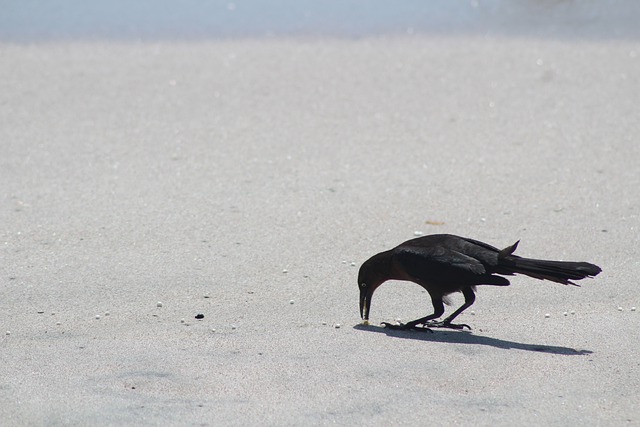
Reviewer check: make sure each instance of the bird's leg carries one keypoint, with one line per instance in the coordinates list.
(438, 307)
(469, 298)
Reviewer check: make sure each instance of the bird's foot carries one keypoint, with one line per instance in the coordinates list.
(406, 327)
(445, 324)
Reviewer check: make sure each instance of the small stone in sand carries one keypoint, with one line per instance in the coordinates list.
(565, 313)
(284, 270)
(291, 302)
(158, 304)
(324, 323)
(547, 315)
(181, 320)
(620, 309)
(418, 233)
(199, 316)
(353, 264)
(337, 326)
(633, 309)
(233, 326)
(8, 333)
(58, 323)
(473, 313)
(106, 313)
(97, 317)
(572, 312)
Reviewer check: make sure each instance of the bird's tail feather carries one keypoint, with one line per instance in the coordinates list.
(556, 271)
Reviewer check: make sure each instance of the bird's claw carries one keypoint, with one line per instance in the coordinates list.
(443, 324)
(405, 327)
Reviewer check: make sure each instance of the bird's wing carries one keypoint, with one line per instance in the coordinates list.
(482, 252)
(425, 262)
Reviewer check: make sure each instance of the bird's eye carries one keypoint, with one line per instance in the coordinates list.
(363, 285)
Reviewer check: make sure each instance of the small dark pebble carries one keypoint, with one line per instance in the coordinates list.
(200, 316)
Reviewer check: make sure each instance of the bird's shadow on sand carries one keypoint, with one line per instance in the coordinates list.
(466, 337)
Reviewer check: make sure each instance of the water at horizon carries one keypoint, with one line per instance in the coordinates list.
(41, 20)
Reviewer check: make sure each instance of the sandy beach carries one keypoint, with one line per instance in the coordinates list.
(144, 183)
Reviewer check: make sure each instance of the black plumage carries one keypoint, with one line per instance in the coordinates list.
(443, 264)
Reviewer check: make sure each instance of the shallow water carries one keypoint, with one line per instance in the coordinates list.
(39, 20)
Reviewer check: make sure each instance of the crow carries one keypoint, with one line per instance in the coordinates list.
(443, 264)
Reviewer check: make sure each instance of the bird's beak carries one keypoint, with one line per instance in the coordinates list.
(365, 304)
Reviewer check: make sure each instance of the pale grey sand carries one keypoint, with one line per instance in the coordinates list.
(194, 174)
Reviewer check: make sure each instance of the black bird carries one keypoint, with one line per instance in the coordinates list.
(443, 264)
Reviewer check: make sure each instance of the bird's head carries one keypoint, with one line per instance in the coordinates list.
(372, 274)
